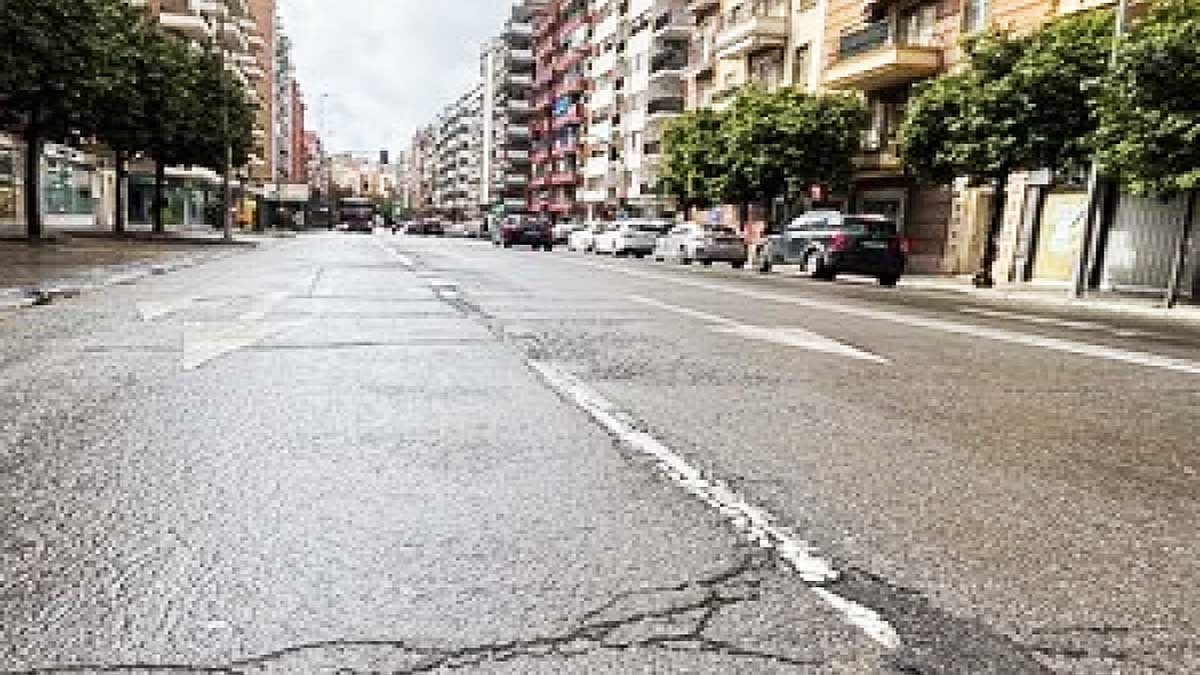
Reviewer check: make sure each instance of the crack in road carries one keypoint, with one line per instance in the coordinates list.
(674, 617)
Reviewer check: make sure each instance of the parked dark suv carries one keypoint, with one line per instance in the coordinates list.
(827, 243)
(520, 231)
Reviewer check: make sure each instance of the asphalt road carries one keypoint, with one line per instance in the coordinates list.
(386, 454)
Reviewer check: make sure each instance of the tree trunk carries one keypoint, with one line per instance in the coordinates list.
(33, 183)
(983, 278)
(119, 218)
(160, 179)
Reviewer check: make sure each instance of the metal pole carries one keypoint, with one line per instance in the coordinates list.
(1083, 264)
(227, 155)
(1181, 252)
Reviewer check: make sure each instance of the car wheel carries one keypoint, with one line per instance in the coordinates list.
(706, 263)
(765, 266)
(815, 268)
(548, 247)
(683, 257)
(507, 245)
(738, 264)
(889, 280)
(639, 256)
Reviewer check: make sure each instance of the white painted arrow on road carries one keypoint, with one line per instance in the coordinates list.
(789, 337)
(204, 342)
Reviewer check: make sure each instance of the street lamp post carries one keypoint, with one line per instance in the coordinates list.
(227, 154)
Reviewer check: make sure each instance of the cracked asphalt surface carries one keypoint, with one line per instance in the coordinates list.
(330, 455)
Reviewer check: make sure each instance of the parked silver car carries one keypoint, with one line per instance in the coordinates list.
(705, 244)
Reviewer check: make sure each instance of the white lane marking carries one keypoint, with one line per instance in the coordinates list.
(754, 522)
(1126, 356)
(788, 337)
(1061, 323)
(203, 342)
(152, 310)
(399, 257)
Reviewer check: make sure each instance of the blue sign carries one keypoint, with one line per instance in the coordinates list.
(561, 105)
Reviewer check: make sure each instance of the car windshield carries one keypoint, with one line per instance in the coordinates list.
(871, 226)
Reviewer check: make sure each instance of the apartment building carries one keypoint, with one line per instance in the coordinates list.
(457, 157)
(298, 136)
(262, 73)
(507, 74)
(639, 54)
(562, 49)
(418, 173)
(773, 43)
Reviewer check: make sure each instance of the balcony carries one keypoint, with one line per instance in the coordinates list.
(540, 156)
(519, 80)
(517, 131)
(571, 85)
(188, 25)
(871, 58)
(516, 180)
(667, 64)
(605, 63)
(702, 6)
(565, 147)
(596, 167)
(539, 181)
(520, 56)
(753, 26)
(516, 155)
(593, 196)
(673, 25)
(603, 100)
(665, 107)
(518, 106)
(516, 203)
(564, 178)
(522, 29)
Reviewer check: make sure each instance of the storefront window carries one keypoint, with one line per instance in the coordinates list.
(10, 183)
(68, 189)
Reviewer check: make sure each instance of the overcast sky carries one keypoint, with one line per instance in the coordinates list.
(387, 65)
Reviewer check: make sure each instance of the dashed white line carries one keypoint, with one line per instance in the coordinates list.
(1116, 354)
(789, 337)
(754, 522)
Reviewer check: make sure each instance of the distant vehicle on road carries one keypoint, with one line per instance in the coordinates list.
(524, 231)
(562, 231)
(356, 214)
(425, 226)
(691, 242)
(583, 239)
(827, 243)
(631, 237)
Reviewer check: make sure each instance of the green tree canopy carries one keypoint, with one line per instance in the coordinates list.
(1149, 106)
(693, 168)
(1020, 102)
(778, 143)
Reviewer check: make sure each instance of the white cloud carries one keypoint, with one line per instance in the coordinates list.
(388, 66)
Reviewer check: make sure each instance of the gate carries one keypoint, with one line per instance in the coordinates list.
(1142, 242)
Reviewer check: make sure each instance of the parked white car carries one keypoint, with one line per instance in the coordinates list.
(631, 237)
(584, 239)
(691, 242)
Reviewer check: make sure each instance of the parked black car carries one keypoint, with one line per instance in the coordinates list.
(428, 226)
(524, 231)
(827, 243)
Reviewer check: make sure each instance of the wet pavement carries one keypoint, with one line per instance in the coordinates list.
(354, 454)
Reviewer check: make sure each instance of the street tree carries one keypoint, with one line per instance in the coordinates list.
(777, 144)
(1020, 102)
(51, 55)
(1149, 121)
(692, 166)
(121, 111)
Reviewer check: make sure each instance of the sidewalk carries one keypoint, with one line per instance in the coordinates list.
(1057, 297)
(39, 273)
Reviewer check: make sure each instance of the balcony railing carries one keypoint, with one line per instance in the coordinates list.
(672, 104)
(872, 36)
(668, 61)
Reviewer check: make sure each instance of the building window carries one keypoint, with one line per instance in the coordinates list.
(68, 189)
(916, 26)
(975, 15)
(10, 189)
(767, 69)
(800, 67)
